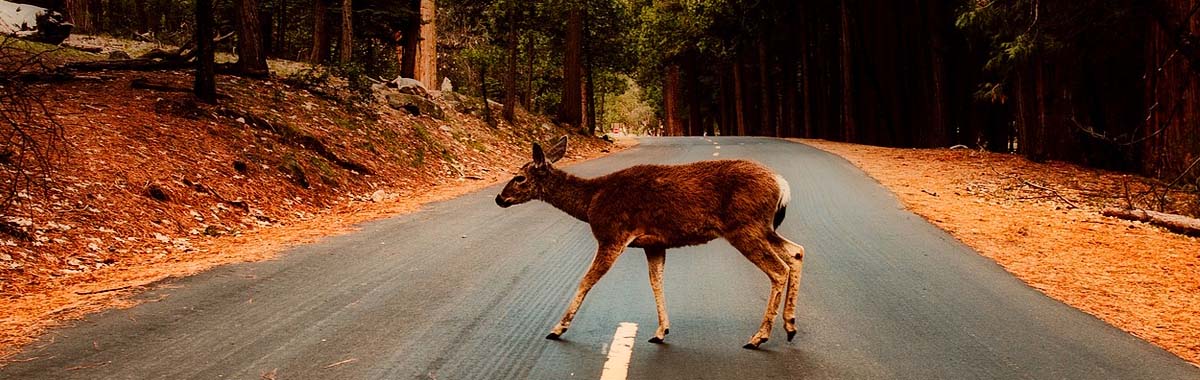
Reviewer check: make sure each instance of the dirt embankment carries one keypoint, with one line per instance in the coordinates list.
(1042, 222)
(155, 185)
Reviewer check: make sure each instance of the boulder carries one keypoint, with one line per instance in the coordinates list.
(409, 86)
(33, 23)
(415, 105)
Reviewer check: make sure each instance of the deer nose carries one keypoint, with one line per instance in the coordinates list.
(500, 201)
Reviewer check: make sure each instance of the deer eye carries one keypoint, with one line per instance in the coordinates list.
(519, 179)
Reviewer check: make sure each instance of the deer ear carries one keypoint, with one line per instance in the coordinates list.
(538, 156)
(557, 151)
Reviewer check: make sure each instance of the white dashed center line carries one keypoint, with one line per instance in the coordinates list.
(617, 366)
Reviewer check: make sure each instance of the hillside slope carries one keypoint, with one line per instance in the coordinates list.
(154, 184)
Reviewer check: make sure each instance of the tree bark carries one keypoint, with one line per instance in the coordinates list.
(589, 97)
(206, 82)
(425, 65)
(510, 78)
(281, 26)
(695, 125)
(320, 45)
(671, 102)
(572, 68)
(739, 107)
(529, 74)
(80, 15)
(768, 126)
(1176, 223)
(849, 130)
(939, 125)
(251, 59)
(487, 108)
(142, 16)
(346, 50)
(723, 104)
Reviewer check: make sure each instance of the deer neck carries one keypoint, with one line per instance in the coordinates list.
(569, 193)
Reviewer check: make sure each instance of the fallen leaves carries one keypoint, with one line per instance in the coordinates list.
(1050, 234)
(159, 187)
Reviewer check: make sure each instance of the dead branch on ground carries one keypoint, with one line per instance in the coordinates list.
(1174, 222)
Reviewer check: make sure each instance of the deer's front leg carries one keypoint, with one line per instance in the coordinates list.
(655, 258)
(606, 255)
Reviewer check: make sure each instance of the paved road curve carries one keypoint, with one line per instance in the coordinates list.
(466, 290)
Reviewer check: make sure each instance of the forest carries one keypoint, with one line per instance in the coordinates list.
(1104, 83)
(341, 162)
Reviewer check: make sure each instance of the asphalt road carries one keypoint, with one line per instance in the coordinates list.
(466, 290)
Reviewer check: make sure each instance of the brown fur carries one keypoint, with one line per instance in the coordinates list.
(657, 207)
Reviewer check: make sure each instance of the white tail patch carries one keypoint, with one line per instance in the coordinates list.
(785, 191)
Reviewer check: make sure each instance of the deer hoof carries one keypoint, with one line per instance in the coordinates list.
(791, 334)
(553, 336)
(656, 340)
(754, 345)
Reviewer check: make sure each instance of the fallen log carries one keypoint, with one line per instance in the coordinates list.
(147, 84)
(137, 64)
(1174, 222)
(294, 136)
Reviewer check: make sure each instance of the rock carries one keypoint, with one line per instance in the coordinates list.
(378, 196)
(117, 54)
(415, 105)
(33, 23)
(446, 85)
(409, 86)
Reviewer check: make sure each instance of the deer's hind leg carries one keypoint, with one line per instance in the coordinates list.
(655, 258)
(756, 248)
(794, 254)
(606, 255)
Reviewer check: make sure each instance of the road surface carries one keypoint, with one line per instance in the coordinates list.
(467, 290)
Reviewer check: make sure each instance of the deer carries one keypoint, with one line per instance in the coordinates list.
(659, 207)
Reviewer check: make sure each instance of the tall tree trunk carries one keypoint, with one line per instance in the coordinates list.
(695, 119)
(483, 93)
(788, 107)
(589, 97)
(723, 125)
(671, 102)
(80, 14)
(206, 81)
(510, 78)
(425, 69)
(1171, 133)
(739, 106)
(572, 68)
(266, 29)
(406, 50)
(320, 45)
(527, 99)
(251, 59)
(768, 126)
(940, 127)
(281, 28)
(346, 49)
(143, 17)
(849, 128)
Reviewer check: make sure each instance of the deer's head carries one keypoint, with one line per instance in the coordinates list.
(530, 181)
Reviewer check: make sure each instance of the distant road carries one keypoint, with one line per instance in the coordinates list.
(467, 290)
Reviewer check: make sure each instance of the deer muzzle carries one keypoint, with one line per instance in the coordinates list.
(500, 201)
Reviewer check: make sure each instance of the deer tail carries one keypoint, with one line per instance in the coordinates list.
(785, 196)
